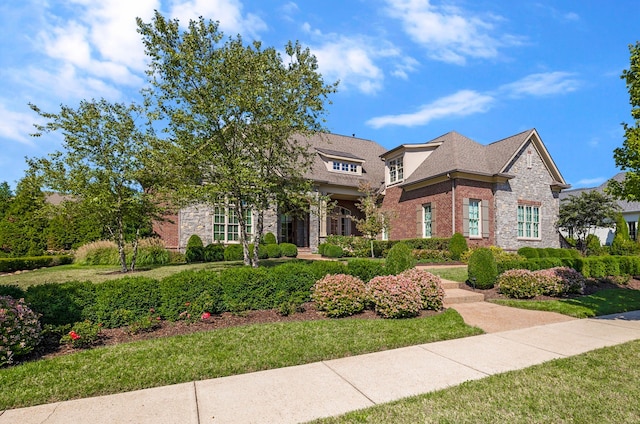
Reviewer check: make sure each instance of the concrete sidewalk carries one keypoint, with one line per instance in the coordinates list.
(302, 393)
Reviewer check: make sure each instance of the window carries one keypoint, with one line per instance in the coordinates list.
(396, 170)
(341, 222)
(474, 218)
(528, 221)
(426, 221)
(632, 230)
(226, 226)
(344, 166)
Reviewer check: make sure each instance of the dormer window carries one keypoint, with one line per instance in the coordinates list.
(345, 166)
(396, 170)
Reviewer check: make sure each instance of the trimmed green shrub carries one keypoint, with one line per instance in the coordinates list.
(482, 269)
(321, 247)
(262, 251)
(322, 268)
(247, 289)
(120, 302)
(457, 246)
(214, 252)
(180, 291)
(340, 295)
(430, 287)
(593, 245)
(62, 304)
(11, 290)
(399, 258)
(29, 263)
(395, 296)
(365, 269)
(432, 256)
(528, 252)
(289, 250)
(333, 251)
(269, 238)
(292, 282)
(195, 249)
(19, 329)
(273, 250)
(233, 252)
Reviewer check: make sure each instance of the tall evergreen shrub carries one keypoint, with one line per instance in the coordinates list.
(482, 269)
(457, 246)
(195, 249)
(400, 258)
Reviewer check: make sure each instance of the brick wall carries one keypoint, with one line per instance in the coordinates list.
(168, 231)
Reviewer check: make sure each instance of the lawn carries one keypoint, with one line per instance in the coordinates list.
(453, 273)
(596, 387)
(217, 353)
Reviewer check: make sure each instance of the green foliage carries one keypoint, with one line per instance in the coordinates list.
(19, 329)
(179, 291)
(28, 263)
(399, 258)
(430, 286)
(269, 238)
(339, 295)
(214, 252)
(120, 302)
(82, 335)
(593, 246)
(431, 256)
(233, 252)
(333, 251)
(482, 268)
(61, 304)
(322, 268)
(321, 247)
(273, 250)
(365, 269)
(11, 290)
(195, 249)
(457, 246)
(529, 252)
(289, 250)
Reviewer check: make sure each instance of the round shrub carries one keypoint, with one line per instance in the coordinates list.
(571, 280)
(269, 238)
(273, 250)
(262, 251)
(339, 295)
(394, 296)
(518, 283)
(333, 251)
(61, 304)
(482, 268)
(399, 258)
(457, 246)
(289, 250)
(214, 252)
(430, 287)
(19, 329)
(549, 283)
(233, 252)
(365, 269)
(528, 252)
(195, 249)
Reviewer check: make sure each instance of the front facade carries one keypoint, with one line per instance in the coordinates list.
(505, 194)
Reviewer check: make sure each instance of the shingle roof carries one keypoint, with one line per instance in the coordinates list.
(349, 147)
(624, 205)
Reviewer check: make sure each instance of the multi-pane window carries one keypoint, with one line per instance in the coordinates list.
(528, 221)
(226, 226)
(340, 223)
(396, 170)
(344, 166)
(632, 230)
(474, 218)
(426, 220)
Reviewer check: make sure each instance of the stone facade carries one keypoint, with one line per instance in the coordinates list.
(531, 186)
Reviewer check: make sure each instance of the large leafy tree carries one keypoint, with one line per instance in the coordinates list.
(582, 214)
(236, 116)
(102, 164)
(627, 157)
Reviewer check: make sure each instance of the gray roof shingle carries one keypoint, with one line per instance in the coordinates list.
(624, 205)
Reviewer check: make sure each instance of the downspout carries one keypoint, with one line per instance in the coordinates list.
(453, 206)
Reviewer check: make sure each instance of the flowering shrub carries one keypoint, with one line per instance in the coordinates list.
(573, 281)
(549, 283)
(82, 334)
(431, 290)
(19, 329)
(339, 295)
(518, 283)
(395, 296)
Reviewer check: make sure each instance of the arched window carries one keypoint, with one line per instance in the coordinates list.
(341, 222)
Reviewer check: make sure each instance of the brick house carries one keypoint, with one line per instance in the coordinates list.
(504, 194)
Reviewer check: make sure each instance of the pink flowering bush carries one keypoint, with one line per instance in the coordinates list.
(572, 280)
(395, 296)
(339, 295)
(549, 284)
(19, 329)
(518, 283)
(431, 290)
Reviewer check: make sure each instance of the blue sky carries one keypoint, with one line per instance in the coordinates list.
(409, 70)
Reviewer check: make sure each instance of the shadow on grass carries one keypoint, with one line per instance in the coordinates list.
(608, 301)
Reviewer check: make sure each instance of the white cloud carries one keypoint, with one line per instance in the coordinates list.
(462, 103)
(68, 85)
(404, 66)
(16, 125)
(543, 84)
(590, 182)
(448, 33)
(227, 12)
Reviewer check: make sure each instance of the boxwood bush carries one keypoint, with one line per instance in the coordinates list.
(62, 304)
(273, 250)
(289, 250)
(400, 258)
(195, 249)
(122, 301)
(365, 269)
(29, 263)
(180, 291)
(482, 268)
(333, 251)
(233, 252)
(214, 252)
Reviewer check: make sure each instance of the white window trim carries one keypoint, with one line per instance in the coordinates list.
(424, 221)
(345, 167)
(394, 168)
(478, 204)
(528, 224)
(227, 222)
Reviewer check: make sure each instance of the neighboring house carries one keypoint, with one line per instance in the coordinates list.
(630, 211)
(504, 194)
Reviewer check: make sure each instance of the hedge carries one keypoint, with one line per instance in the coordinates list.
(590, 267)
(35, 262)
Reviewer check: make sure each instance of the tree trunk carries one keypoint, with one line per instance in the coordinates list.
(121, 252)
(239, 208)
(372, 255)
(257, 238)
(135, 250)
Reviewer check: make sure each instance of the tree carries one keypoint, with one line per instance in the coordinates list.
(102, 164)
(375, 220)
(627, 157)
(582, 214)
(5, 198)
(235, 114)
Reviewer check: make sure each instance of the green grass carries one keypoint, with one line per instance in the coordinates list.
(596, 387)
(604, 302)
(457, 273)
(216, 353)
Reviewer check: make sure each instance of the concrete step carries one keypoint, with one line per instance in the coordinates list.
(454, 296)
(448, 284)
